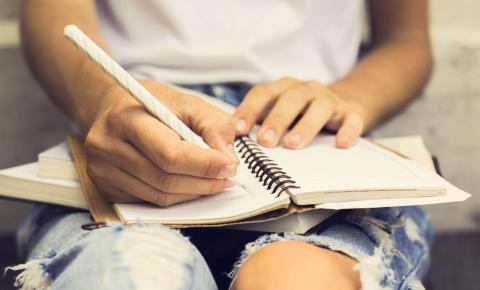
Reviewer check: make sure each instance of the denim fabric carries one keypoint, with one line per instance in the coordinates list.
(61, 255)
(391, 245)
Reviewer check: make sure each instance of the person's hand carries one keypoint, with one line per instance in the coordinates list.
(281, 102)
(133, 156)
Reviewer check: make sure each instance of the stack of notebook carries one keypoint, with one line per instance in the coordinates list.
(274, 183)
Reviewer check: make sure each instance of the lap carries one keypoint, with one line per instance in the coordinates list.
(391, 245)
(61, 255)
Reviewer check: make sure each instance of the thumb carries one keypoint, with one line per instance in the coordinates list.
(219, 133)
(221, 136)
(216, 127)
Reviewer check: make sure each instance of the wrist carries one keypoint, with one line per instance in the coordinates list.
(96, 99)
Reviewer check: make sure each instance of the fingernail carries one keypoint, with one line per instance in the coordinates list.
(294, 140)
(344, 141)
(228, 184)
(227, 171)
(269, 136)
(241, 125)
(231, 152)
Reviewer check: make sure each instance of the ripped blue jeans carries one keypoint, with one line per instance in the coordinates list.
(391, 246)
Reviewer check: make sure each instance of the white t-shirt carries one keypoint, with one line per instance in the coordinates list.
(211, 41)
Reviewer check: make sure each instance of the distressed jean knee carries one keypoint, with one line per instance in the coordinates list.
(391, 245)
(120, 257)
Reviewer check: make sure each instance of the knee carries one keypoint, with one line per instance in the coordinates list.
(148, 256)
(139, 246)
(297, 265)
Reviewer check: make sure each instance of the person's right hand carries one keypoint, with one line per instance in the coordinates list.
(133, 156)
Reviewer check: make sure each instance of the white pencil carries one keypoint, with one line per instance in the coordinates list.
(131, 85)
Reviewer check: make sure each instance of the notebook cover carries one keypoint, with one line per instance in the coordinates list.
(100, 209)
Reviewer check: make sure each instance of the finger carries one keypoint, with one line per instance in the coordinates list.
(215, 127)
(164, 147)
(351, 129)
(312, 121)
(114, 194)
(130, 160)
(256, 102)
(289, 105)
(104, 172)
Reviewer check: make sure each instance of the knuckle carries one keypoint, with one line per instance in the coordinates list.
(297, 93)
(229, 121)
(94, 171)
(246, 110)
(216, 187)
(263, 90)
(170, 159)
(225, 126)
(302, 91)
(95, 144)
(90, 150)
(287, 80)
(276, 120)
(325, 101)
(115, 118)
(210, 169)
(314, 85)
(93, 141)
(355, 120)
(319, 89)
(168, 183)
(179, 103)
(160, 199)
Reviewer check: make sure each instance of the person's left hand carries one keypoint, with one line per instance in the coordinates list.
(280, 102)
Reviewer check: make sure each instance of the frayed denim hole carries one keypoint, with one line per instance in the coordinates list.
(386, 220)
(170, 256)
(57, 264)
(51, 253)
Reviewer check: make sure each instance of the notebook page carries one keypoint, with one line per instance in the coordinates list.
(411, 146)
(233, 203)
(321, 167)
(453, 194)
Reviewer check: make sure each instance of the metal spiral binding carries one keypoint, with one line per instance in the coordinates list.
(264, 168)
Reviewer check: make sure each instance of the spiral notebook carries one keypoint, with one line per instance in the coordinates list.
(278, 181)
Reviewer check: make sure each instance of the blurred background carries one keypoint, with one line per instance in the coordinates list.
(447, 115)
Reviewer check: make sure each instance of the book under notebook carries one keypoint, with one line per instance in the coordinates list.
(22, 182)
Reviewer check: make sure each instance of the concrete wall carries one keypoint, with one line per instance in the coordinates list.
(447, 114)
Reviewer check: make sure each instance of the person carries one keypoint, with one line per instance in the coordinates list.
(295, 67)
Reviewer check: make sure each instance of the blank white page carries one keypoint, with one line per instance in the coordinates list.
(321, 167)
(453, 194)
(236, 202)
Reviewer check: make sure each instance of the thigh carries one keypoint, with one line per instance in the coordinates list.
(64, 256)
